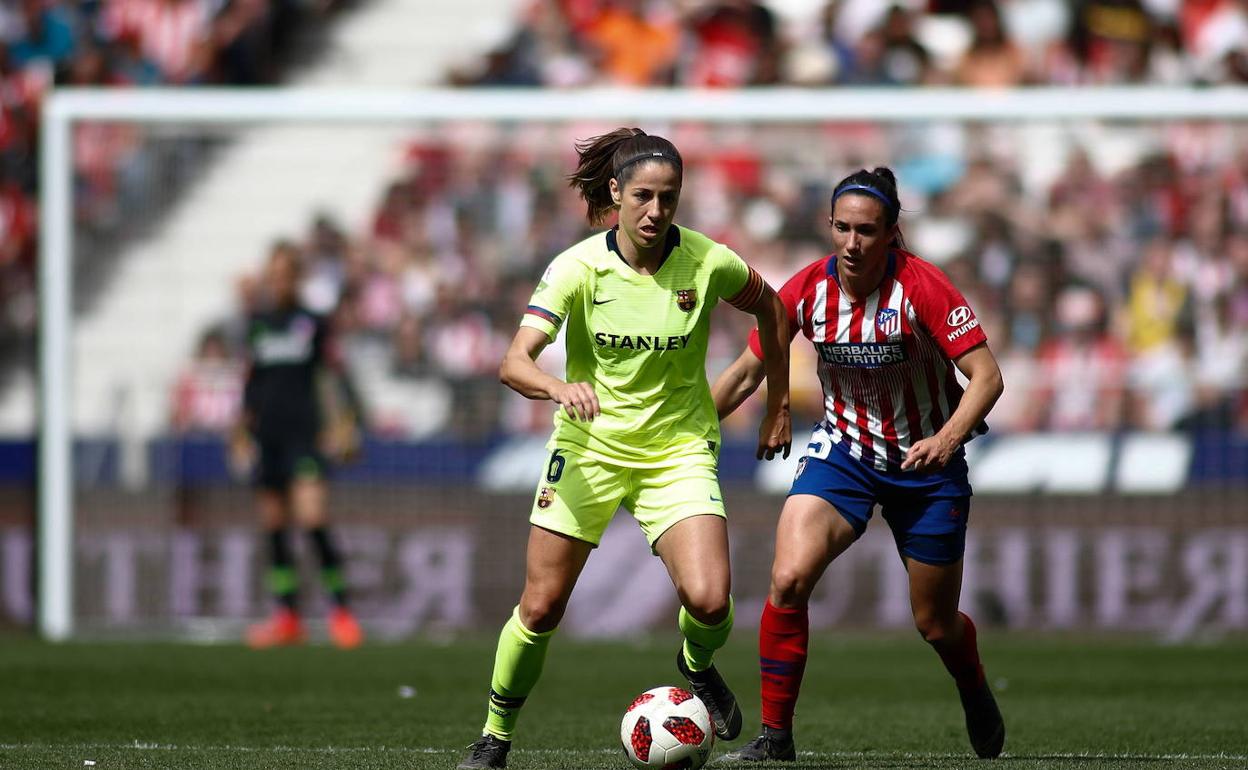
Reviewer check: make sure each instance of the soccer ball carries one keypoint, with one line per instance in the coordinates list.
(667, 728)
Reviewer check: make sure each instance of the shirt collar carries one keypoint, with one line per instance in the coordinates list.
(670, 242)
(889, 271)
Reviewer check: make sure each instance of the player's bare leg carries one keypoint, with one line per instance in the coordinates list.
(934, 592)
(272, 507)
(695, 552)
(309, 499)
(308, 502)
(283, 627)
(809, 536)
(553, 563)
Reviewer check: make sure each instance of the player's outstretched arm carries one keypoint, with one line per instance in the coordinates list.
(737, 383)
(984, 386)
(242, 449)
(521, 373)
(340, 437)
(776, 433)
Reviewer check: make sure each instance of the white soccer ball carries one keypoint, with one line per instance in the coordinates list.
(667, 728)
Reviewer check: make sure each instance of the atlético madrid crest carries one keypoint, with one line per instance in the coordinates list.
(888, 322)
(545, 497)
(686, 299)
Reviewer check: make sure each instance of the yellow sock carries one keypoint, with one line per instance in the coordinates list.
(701, 640)
(517, 666)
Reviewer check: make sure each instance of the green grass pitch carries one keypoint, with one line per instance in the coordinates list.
(868, 702)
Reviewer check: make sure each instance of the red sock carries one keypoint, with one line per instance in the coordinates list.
(962, 660)
(782, 639)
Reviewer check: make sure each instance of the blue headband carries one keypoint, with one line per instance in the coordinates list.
(869, 190)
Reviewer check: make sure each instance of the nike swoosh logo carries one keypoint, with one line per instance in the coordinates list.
(715, 499)
(602, 301)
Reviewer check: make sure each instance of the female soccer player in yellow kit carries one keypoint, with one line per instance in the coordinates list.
(636, 425)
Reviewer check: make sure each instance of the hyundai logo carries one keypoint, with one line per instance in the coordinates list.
(959, 316)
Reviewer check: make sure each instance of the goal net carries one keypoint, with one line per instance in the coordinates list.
(1099, 235)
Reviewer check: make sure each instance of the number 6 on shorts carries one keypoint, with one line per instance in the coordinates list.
(555, 470)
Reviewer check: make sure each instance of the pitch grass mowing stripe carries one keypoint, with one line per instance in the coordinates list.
(243, 758)
(557, 752)
(869, 702)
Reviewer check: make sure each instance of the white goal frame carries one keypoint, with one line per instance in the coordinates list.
(65, 107)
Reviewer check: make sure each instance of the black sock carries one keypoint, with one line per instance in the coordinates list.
(331, 566)
(283, 581)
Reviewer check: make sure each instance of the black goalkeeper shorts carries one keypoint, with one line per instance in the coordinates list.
(282, 461)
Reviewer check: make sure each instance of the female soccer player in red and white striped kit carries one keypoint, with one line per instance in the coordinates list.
(889, 329)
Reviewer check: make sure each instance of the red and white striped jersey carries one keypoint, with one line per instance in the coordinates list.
(168, 33)
(885, 361)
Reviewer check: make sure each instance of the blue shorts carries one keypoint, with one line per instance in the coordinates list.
(927, 512)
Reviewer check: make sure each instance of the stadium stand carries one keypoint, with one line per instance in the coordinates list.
(1178, 309)
(1111, 306)
(1139, 249)
(123, 192)
(735, 43)
(1115, 286)
(115, 43)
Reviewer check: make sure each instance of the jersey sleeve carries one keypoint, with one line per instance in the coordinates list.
(734, 281)
(555, 295)
(251, 387)
(945, 314)
(790, 294)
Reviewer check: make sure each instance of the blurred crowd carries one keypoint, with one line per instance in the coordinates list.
(979, 43)
(121, 43)
(1109, 265)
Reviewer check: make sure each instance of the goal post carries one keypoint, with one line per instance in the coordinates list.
(65, 109)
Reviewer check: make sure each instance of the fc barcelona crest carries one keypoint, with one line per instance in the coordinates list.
(686, 299)
(545, 497)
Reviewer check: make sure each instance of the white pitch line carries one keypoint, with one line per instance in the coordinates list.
(1099, 755)
(141, 746)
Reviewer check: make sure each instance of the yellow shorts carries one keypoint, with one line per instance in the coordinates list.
(578, 496)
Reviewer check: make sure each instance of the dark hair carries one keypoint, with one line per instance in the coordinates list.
(212, 336)
(987, 6)
(284, 247)
(615, 155)
(879, 183)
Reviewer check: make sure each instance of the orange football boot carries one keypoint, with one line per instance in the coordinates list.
(282, 629)
(344, 630)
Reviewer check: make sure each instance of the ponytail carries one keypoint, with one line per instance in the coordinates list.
(615, 155)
